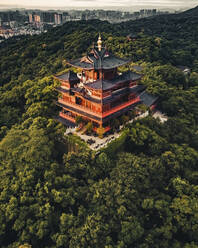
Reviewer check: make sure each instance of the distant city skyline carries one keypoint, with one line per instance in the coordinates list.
(135, 4)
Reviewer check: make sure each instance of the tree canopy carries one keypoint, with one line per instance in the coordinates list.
(140, 191)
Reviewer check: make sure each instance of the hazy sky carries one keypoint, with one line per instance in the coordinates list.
(102, 3)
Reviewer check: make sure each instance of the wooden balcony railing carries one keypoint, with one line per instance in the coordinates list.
(104, 114)
(80, 107)
(66, 116)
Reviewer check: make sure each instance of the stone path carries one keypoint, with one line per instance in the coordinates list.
(161, 116)
(99, 143)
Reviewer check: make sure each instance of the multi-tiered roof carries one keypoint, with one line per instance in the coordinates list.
(99, 93)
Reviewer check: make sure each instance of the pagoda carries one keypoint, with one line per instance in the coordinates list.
(98, 93)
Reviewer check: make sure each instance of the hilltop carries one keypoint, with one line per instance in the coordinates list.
(141, 191)
(191, 12)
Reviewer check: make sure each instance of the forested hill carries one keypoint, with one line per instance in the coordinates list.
(191, 12)
(141, 191)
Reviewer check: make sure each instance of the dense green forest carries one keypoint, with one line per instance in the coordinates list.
(141, 191)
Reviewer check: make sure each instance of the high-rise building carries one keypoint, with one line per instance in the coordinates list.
(37, 18)
(47, 17)
(30, 18)
(57, 19)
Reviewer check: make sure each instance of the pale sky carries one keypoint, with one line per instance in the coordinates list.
(101, 3)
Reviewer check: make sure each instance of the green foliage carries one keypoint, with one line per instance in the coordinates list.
(142, 107)
(115, 123)
(193, 79)
(89, 127)
(171, 75)
(124, 119)
(25, 246)
(78, 119)
(144, 139)
(100, 131)
(139, 191)
(116, 145)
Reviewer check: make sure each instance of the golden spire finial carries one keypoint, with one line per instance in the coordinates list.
(99, 43)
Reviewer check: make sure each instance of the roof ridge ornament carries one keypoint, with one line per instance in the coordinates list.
(99, 43)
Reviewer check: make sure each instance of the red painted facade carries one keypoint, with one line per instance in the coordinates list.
(98, 93)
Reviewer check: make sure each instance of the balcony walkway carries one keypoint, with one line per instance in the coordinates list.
(95, 116)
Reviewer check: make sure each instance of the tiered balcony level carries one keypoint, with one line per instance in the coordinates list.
(101, 93)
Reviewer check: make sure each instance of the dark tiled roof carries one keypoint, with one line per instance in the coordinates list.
(183, 68)
(137, 68)
(60, 89)
(100, 84)
(99, 60)
(114, 96)
(77, 89)
(69, 76)
(86, 96)
(130, 75)
(136, 90)
(148, 99)
(131, 35)
(81, 64)
(108, 84)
